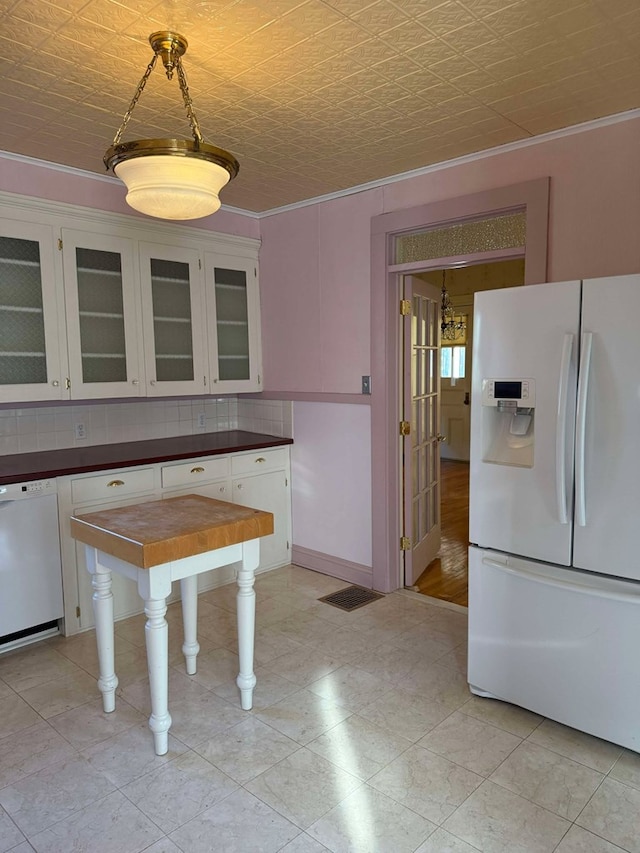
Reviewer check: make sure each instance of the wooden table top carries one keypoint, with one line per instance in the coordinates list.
(148, 534)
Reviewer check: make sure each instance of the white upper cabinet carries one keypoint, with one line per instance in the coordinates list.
(103, 334)
(172, 315)
(100, 305)
(32, 365)
(233, 317)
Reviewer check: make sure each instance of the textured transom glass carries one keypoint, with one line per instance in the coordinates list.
(508, 231)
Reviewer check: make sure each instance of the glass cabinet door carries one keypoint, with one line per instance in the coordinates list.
(30, 367)
(233, 323)
(173, 319)
(104, 342)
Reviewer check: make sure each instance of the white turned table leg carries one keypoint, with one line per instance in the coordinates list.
(190, 647)
(157, 640)
(103, 612)
(246, 604)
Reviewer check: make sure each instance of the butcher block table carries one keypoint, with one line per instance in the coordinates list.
(154, 544)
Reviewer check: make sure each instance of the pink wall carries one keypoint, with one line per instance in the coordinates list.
(54, 184)
(315, 261)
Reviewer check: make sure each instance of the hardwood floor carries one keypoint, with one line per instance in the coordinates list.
(446, 577)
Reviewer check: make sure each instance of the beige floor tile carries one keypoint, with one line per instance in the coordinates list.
(34, 665)
(305, 664)
(10, 835)
(470, 743)
(165, 845)
(383, 825)
(53, 794)
(613, 813)
(63, 694)
(457, 659)
(348, 686)
(181, 687)
(16, 715)
(359, 746)
(129, 755)
(111, 824)
(511, 718)
(88, 724)
(304, 843)
(271, 644)
(303, 716)
(578, 840)
(498, 821)
(443, 842)
(31, 750)
(426, 783)
(238, 824)
(439, 682)
(269, 689)
(404, 713)
(247, 750)
(178, 791)
(303, 787)
(627, 769)
(595, 753)
(215, 667)
(197, 718)
(548, 779)
(5, 690)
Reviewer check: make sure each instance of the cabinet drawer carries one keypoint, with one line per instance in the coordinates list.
(195, 472)
(111, 486)
(261, 460)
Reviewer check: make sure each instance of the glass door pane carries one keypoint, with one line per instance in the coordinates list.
(101, 312)
(172, 329)
(232, 323)
(22, 331)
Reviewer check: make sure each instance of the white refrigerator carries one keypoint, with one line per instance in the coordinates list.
(554, 515)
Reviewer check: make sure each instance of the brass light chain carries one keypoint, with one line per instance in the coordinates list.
(134, 100)
(186, 97)
(174, 62)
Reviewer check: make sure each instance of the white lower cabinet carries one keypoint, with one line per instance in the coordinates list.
(266, 487)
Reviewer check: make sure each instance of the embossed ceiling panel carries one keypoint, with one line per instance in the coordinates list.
(315, 96)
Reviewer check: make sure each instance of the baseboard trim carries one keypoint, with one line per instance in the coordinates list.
(335, 566)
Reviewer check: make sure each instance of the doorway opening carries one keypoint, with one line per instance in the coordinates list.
(445, 577)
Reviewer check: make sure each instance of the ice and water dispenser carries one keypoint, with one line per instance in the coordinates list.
(508, 421)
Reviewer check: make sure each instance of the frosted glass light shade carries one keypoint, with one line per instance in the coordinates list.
(172, 187)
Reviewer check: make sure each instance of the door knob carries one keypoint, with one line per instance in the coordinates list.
(466, 398)
(441, 437)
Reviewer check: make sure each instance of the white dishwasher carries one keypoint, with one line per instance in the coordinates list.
(30, 568)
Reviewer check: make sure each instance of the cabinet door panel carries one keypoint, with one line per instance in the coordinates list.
(268, 492)
(172, 299)
(102, 316)
(233, 314)
(30, 354)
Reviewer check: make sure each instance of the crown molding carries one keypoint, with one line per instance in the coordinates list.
(596, 124)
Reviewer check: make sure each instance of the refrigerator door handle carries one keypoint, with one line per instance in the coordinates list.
(582, 589)
(581, 426)
(561, 430)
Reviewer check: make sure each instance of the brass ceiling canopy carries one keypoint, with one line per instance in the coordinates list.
(170, 178)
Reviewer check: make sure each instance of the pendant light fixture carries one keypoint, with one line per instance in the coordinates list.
(170, 178)
(452, 327)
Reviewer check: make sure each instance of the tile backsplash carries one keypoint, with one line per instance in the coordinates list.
(23, 430)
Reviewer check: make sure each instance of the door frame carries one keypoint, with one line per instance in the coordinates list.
(532, 198)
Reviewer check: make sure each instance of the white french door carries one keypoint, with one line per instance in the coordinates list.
(421, 407)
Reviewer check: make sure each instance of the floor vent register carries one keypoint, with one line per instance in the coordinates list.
(351, 597)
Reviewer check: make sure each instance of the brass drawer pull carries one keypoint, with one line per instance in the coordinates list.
(261, 459)
(115, 483)
(197, 470)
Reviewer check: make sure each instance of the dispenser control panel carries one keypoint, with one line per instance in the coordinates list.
(521, 393)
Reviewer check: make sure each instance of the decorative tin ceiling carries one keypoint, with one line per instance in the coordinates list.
(317, 96)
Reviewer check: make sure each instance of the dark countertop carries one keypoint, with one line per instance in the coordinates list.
(21, 467)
